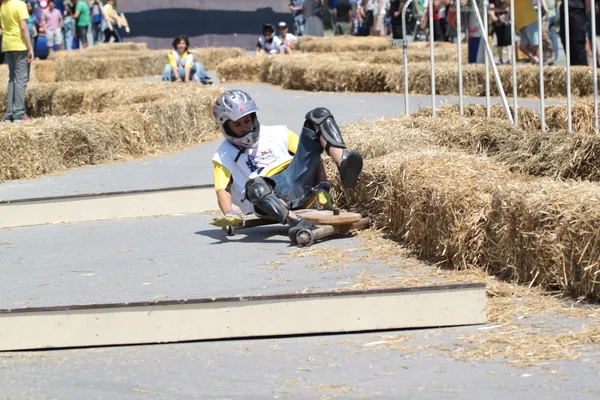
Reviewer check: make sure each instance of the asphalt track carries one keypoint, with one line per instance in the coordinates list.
(178, 257)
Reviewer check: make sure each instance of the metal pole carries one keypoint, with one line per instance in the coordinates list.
(568, 54)
(432, 57)
(488, 106)
(461, 106)
(513, 35)
(405, 52)
(595, 65)
(488, 49)
(541, 65)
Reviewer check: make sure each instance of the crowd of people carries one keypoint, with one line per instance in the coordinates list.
(384, 18)
(65, 24)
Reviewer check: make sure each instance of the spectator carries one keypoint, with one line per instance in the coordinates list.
(591, 36)
(438, 31)
(111, 24)
(396, 12)
(16, 45)
(343, 16)
(33, 32)
(82, 15)
(552, 27)
(297, 8)
(548, 49)
(313, 23)
(369, 8)
(52, 21)
(502, 28)
(97, 17)
(68, 28)
(268, 43)
(379, 12)
(577, 31)
(526, 24)
(181, 66)
(289, 41)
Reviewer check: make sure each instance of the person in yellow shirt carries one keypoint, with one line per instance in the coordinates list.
(16, 45)
(182, 67)
(270, 170)
(526, 23)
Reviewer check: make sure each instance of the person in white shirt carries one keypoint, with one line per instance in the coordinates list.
(268, 43)
(270, 170)
(289, 40)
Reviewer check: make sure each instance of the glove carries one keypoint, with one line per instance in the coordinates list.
(231, 218)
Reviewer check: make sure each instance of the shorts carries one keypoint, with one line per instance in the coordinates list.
(82, 34)
(54, 38)
(530, 35)
(293, 185)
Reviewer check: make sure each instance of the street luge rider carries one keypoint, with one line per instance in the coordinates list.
(270, 170)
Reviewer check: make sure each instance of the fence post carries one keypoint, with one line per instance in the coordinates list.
(461, 106)
(405, 55)
(432, 57)
(541, 64)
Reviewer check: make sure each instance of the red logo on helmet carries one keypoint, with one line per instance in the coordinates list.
(242, 107)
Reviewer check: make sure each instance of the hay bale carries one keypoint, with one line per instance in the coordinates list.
(554, 154)
(546, 233)
(338, 44)
(241, 69)
(461, 211)
(128, 131)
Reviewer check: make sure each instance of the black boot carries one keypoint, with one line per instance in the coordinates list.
(350, 168)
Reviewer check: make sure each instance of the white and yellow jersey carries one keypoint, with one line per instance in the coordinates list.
(270, 155)
(177, 61)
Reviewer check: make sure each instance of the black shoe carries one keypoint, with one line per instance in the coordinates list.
(350, 168)
(301, 225)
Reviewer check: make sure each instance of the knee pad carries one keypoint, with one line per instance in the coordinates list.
(322, 118)
(259, 191)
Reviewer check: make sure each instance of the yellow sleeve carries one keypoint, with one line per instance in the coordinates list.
(293, 140)
(172, 62)
(222, 176)
(22, 11)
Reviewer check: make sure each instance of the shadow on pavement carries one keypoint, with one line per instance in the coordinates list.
(260, 234)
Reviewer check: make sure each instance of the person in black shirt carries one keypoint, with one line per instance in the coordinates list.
(577, 25)
(343, 16)
(396, 12)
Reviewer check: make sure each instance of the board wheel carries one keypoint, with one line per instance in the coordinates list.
(230, 230)
(305, 238)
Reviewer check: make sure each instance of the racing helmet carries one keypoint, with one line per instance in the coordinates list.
(270, 29)
(231, 106)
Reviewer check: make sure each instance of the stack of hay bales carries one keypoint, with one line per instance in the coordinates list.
(99, 122)
(454, 191)
(117, 60)
(370, 64)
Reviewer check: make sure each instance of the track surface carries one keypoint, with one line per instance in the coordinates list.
(183, 256)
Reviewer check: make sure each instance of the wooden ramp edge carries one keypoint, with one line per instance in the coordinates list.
(107, 206)
(242, 317)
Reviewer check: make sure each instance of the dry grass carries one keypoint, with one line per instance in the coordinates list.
(138, 124)
(522, 328)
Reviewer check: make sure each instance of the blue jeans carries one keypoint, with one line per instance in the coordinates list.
(198, 73)
(299, 27)
(293, 185)
(553, 36)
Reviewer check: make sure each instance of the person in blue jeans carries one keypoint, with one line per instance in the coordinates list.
(270, 170)
(182, 67)
(552, 27)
